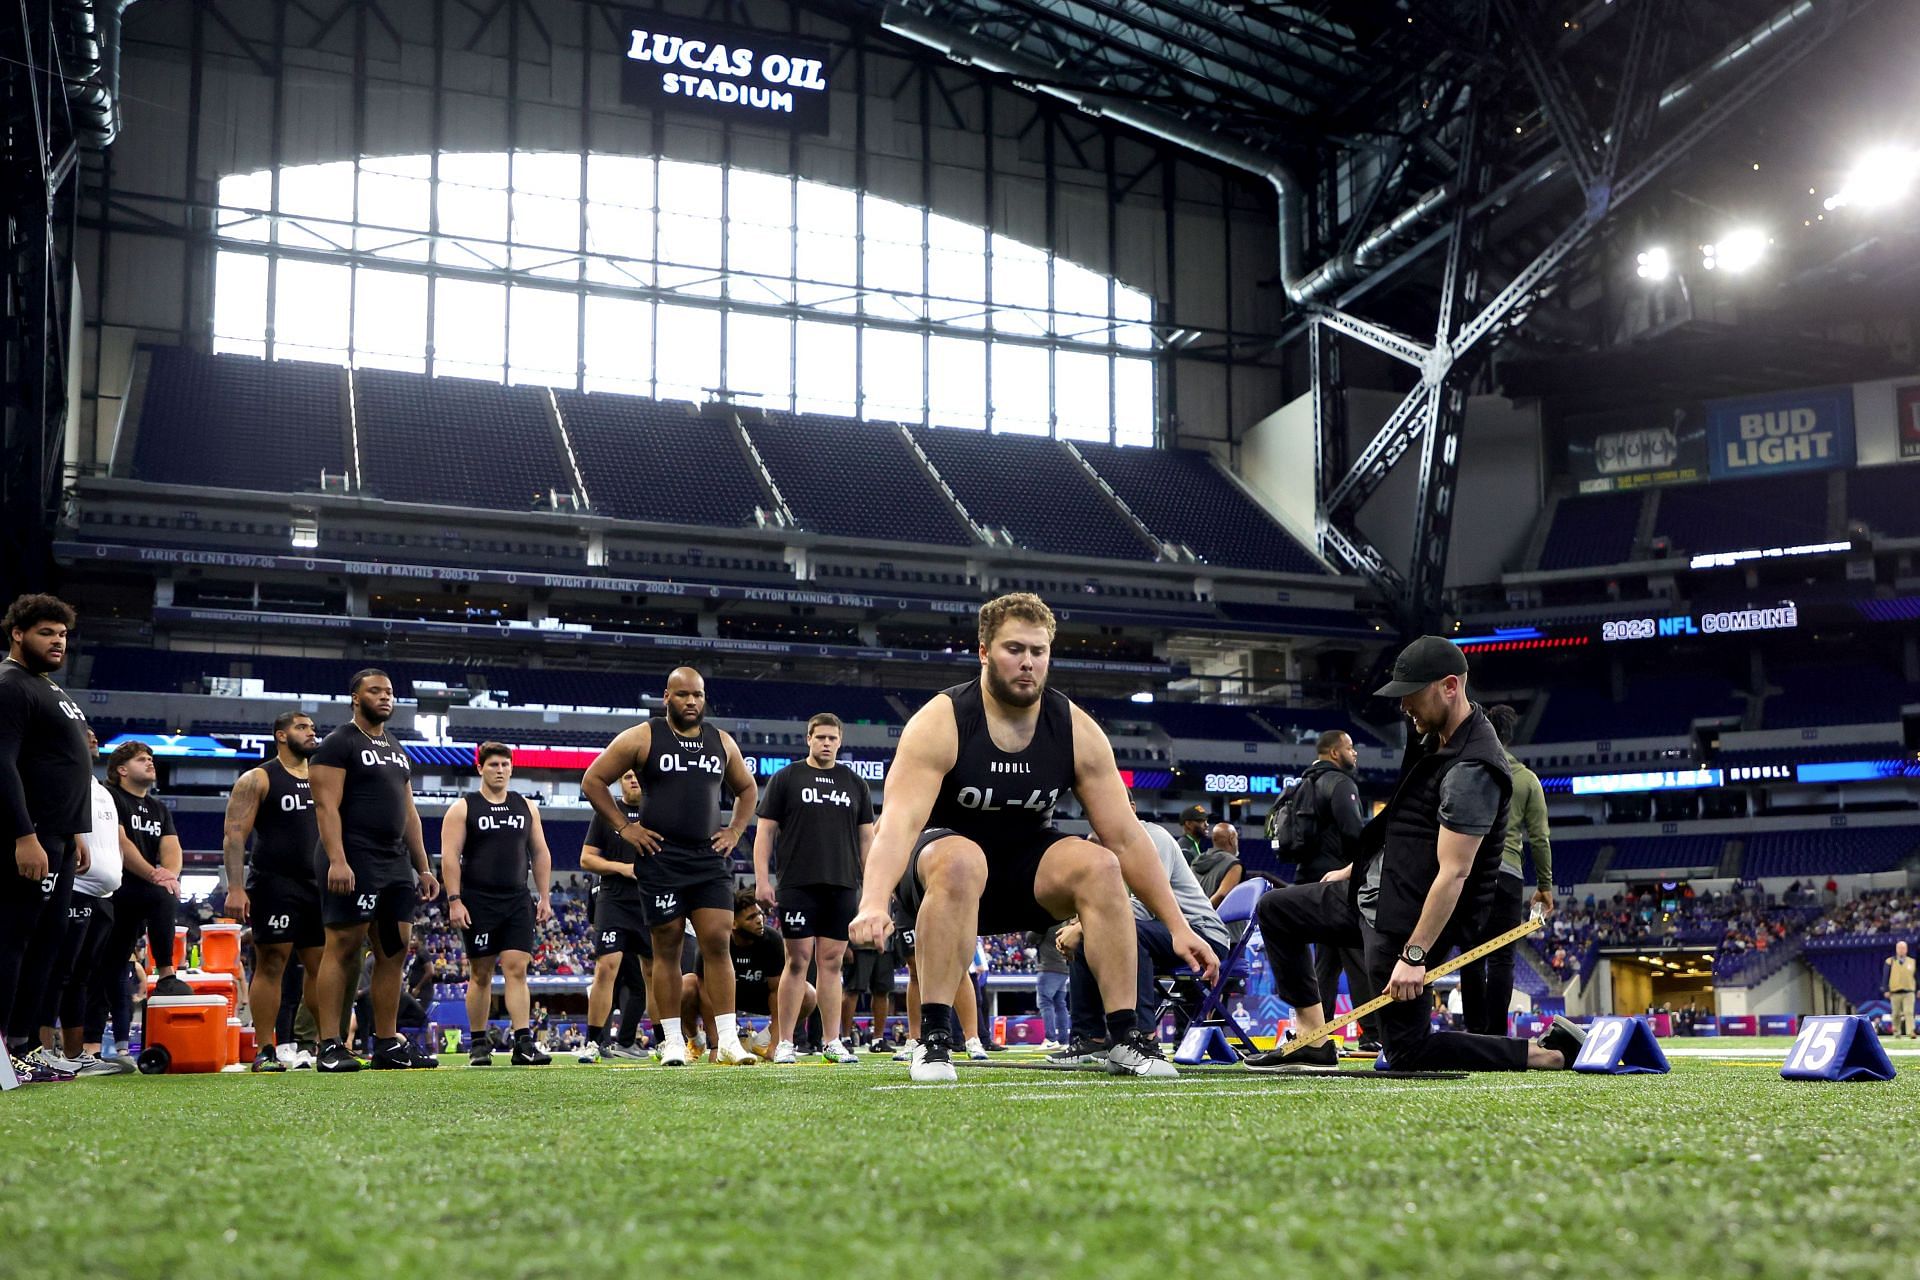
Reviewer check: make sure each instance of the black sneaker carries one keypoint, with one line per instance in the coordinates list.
(334, 1056)
(1319, 1057)
(267, 1060)
(1564, 1037)
(882, 1045)
(1080, 1053)
(171, 985)
(1371, 1046)
(481, 1054)
(992, 1045)
(417, 1058)
(528, 1053)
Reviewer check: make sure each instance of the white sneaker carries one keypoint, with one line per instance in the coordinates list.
(837, 1051)
(976, 1051)
(1049, 1046)
(933, 1064)
(673, 1053)
(286, 1053)
(905, 1051)
(302, 1060)
(89, 1064)
(734, 1054)
(589, 1052)
(784, 1054)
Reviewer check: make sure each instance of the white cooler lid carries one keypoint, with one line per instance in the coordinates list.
(186, 1002)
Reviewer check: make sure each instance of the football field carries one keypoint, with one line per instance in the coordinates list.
(1720, 1168)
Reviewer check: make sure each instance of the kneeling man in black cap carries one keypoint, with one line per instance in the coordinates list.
(1423, 883)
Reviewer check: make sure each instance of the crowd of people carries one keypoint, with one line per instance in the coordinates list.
(1876, 911)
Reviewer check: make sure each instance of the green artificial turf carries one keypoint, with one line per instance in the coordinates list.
(1719, 1169)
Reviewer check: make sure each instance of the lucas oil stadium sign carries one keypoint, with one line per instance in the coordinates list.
(687, 65)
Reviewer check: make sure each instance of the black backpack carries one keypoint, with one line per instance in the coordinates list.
(1293, 824)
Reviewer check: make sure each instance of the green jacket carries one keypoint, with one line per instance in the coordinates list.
(1527, 823)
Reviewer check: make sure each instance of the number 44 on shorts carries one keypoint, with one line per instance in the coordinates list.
(1837, 1048)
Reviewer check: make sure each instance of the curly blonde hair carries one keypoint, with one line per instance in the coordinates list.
(1021, 605)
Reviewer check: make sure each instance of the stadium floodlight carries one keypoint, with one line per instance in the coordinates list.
(1653, 264)
(1880, 177)
(1736, 251)
(1142, 696)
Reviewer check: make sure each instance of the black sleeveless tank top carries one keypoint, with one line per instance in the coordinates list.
(499, 848)
(681, 780)
(284, 828)
(993, 796)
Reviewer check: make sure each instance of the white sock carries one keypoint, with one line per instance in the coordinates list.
(670, 1031)
(725, 1026)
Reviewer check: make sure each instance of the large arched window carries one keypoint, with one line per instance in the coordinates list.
(680, 281)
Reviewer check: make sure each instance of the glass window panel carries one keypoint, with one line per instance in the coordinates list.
(690, 229)
(390, 321)
(1019, 287)
(1079, 302)
(239, 302)
(547, 173)
(620, 220)
(396, 207)
(543, 329)
(311, 306)
(688, 346)
(1133, 387)
(546, 213)
(1132, 304)
(957, 383)
(1021, 387)
(318, 202)
(619, 345)
(760, 235)
(760, 359)
(824, 368)
(829, 251)
(469, 329)
(242, 191)
(891, 389)
(1080, 395)
(891, 258)
(956, 272)
(473, 209)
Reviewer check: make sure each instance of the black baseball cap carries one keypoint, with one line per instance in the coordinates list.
(1195, 813)
(1427, 659)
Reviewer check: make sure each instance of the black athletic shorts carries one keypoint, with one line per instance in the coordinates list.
(619, 926)
(501, 922)
(1007, 904)
(816, 910)
(664, 902)
(381, 893)
(753, 997)
(869, 971)
(283, 909)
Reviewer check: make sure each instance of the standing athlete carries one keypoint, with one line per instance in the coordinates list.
(489, 841)
(145, 905)
(621, 941)
(681, 866)
(372, 865)
(968, 832)
(817, 817)
(277, 893)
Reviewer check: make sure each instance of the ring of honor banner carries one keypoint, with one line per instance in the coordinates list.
(744, 75)
(1632, 450)
(1786, 431)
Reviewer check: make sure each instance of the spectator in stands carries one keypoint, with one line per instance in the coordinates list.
(1900, 984)
(1219, 869)
(1193, 828)
(1486, 986)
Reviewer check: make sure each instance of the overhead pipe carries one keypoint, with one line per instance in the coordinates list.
(91, 69)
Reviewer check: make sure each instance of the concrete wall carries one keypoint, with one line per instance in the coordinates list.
(1277, 461)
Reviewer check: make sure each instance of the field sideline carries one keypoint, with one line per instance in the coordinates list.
(1720, 1168)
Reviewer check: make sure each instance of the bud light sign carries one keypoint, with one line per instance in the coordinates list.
(1774, 434)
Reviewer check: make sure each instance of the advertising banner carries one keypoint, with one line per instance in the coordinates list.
(1631, 450)
(1783, 432)
(728, 72)
(1906, 402)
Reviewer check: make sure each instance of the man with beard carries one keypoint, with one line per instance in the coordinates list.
(1423, 883)
(968, 835)
(278, 894)
(369, 834)
(45, 793)
(622, 944)
(681, 864)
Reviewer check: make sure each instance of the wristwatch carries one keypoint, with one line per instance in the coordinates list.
(1414, 955)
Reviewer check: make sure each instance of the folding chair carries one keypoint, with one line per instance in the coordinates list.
(1201, 1023)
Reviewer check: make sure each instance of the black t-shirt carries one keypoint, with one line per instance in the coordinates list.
(498, 852)
(757, 963)
(1469, 799)
(820, 812)
(147, 822)
(602, 836)
(45, 773)
(376, 795)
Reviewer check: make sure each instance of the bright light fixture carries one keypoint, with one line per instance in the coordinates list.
(1736, 251)
(1880, 177)
(1653, 264)
(1142, 696)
